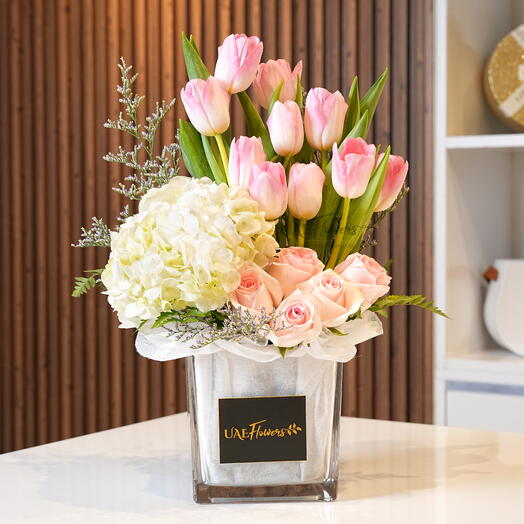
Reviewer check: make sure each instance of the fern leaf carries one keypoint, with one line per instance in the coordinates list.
(382, 304)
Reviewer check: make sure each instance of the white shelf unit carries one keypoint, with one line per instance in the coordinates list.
(479, 217)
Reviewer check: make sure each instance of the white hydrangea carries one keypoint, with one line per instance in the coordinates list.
(184, 248)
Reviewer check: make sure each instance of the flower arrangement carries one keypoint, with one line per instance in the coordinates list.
(260, 245)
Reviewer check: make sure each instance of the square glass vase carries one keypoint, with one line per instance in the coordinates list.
(261, 457)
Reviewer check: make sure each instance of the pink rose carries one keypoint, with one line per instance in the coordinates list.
(368, 274)
(257, 290)
(335, 297)
(296, 321)
(294, 265)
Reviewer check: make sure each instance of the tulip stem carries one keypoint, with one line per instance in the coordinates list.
(290, 229)
(287, 158)
(340, 235)
(323, 159)
(223, 153)
(302, 232)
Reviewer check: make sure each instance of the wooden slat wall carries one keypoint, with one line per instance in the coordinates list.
(66, 369)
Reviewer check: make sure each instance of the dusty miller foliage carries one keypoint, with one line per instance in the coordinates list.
(147, 169)
(227, 323)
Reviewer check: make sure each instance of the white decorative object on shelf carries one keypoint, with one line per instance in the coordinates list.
(504, 308)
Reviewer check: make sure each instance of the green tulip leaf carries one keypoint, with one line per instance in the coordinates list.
(194, 65)
(353, 112)
(213, 158)
(275, 96)
(370, 100)
(192, 149)
(255, 124)
(299, 95)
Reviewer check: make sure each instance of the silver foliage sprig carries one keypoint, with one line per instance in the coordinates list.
(236, 325)
(148, 170)
(98, 235)
(153, 171)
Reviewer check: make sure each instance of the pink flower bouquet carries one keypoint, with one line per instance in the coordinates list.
(254, 257)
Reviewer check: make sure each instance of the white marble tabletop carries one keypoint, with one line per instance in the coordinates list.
(390, 473)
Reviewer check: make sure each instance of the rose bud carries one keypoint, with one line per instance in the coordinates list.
(294, 265)
(324, 118)
(297, 321)
(207, 105)
(393, 181)
(370, 277)
(270, 75)
(237, 62)
(305, 190)
(286, 128)
(257, 290)
(336, 298)
(352, 167)
(267, 185)
(245, 152)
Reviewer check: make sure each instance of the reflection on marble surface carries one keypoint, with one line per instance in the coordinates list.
(390, 473)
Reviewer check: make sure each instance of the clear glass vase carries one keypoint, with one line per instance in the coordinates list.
(264, 431)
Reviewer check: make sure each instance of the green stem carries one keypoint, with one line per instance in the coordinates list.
(302, 232)
(223, 153)
(290, 229)
(340, 235)
(286, 162)
(323, 159)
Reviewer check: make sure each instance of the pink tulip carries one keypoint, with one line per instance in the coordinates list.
(395, 176)
(352, 167)
(207, 105)
(244, 154)
(286, 128)
(267, 185)
(270, 75)
(305, 190)
(324, 118)
(237, 63)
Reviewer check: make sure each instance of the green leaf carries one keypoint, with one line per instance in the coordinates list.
(370, 100)
(299, 95)
(194, 65)
(255, 124)
(381, 305)
(362, 210)
(84, 284)
(359, 130)
(275, 96)
(282, 351)
(353, 112)
(193, 151)
(336, 332)
(213, 158)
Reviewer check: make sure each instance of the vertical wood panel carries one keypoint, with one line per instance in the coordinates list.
(66, 368)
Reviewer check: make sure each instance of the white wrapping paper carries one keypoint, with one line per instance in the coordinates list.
(157, 345)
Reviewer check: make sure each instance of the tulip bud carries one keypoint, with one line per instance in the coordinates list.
(270, 75)
(352, 167)
(237, 63)
(324, 118)
(305, 190)
(207, 105)
(245, 152)
(394, 180)
(267, 185)
(285, 128)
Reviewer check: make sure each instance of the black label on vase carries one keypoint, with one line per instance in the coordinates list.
(262, 429)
